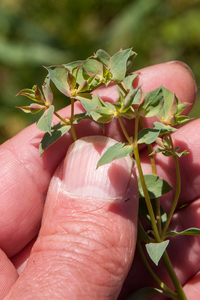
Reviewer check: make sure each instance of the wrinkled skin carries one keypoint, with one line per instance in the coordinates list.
(84, 248)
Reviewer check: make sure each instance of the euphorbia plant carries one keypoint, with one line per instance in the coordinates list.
(78, 80)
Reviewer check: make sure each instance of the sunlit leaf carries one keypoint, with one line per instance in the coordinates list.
(182, 119)
(189, 231)
(71, 80)
(156, 186)
(163, 128)
(152, 103)
(57, 132)
(47, 90)
(103, 56)
(129, 79)
(31, 93)
(129, 99)
(25, 109)
(118, 64)
(58, 75)
(83, 87)
(93, 66)
(89, 101)
(116, 151)
(102, 115)
(44, 123)
(169, 108)
(156, 250)
(72, 66)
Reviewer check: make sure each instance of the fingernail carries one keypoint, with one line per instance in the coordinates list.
(81, 178)
(185, 66)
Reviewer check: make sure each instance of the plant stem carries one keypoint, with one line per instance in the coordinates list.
(62, 119)
(73, 133)
(174, 278)
(155, 277)
(124, 130)
(153, 168)
(146, 194)
(145, 191)
(178, 188)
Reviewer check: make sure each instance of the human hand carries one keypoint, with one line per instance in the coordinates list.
(87, 239)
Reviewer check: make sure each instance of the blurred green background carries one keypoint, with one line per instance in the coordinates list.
(46, 32)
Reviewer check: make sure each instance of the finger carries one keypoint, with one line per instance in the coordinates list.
(192, 288)
(20, 161)
(8, 275)
(88, 234)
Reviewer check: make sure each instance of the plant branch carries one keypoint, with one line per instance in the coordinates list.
(73, 133)
(124, 130)
(178, 188)
(154, 276)
(153, 168)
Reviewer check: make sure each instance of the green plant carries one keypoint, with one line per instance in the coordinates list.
(77, 80)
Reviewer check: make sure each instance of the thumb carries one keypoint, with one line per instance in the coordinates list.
(87, 239)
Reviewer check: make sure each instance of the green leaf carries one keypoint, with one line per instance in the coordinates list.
(163, 128)
(102, 114)
(129, 99)
(103, 56)
(118, 64)
(32, 94)
(93, 66)
(57, 131)
(147, 136)
(182, 119)
(146, 293)
(116, 151)
(89, 101)
(44, 123)
(189, 231)
(152, 103)
(83, 87)
(144, 213)
(72, 66)
(156, 250)
(58, 75)
(129, 79)
(169, 108)
(156, 186)
(47, 90)
(25, 109)
(71, 80)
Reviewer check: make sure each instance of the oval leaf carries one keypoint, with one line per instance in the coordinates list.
(48, 139)
(147, 136)
(58, 75)
(44, 123)
(156, 186)
(152, 103)
(118, 64)
(116, 151)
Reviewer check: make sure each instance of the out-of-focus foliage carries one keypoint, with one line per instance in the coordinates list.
(46, 32)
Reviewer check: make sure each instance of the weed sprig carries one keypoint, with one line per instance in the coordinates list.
(77, 80)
